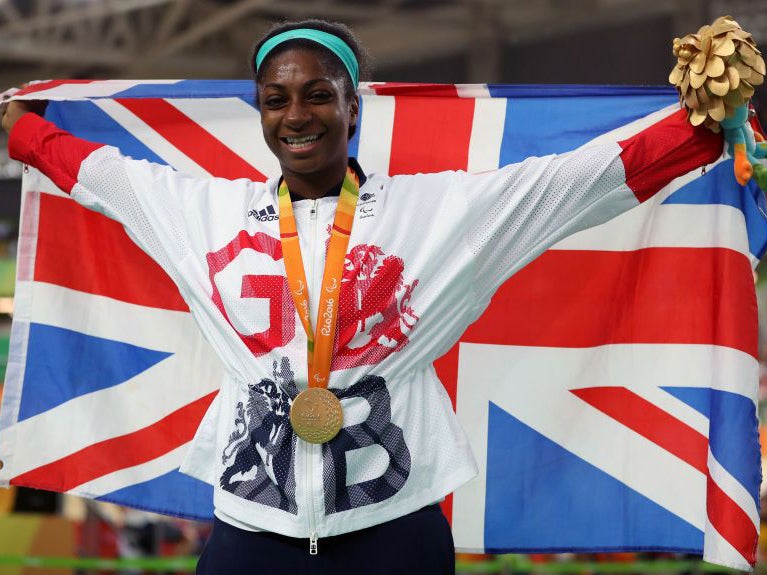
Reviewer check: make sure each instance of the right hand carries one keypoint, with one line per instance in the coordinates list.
(12, 111)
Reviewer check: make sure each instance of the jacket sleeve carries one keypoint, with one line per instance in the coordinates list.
(56, 153)
(146, 198)
(519, 211)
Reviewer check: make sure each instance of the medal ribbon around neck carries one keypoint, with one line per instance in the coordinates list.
(319, 345)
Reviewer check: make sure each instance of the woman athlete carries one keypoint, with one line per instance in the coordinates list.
(331, 441)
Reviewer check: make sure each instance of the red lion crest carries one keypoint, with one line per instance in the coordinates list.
(375, 316)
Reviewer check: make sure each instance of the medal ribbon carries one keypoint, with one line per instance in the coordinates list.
(319, 345)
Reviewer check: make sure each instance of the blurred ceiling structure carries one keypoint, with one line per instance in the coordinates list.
(461, 41)
(210, 38)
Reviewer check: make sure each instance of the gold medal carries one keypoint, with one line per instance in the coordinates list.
(316, 415)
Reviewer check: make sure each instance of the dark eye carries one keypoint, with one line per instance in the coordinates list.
(320, 96)
(274, 101)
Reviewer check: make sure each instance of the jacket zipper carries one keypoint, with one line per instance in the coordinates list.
(309, 446)
(310, 499)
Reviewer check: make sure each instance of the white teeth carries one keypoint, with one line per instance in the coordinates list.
(302, 142)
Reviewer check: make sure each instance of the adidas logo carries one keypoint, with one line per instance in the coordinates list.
(268, 214)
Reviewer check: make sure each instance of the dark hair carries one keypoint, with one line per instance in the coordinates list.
(329, 60)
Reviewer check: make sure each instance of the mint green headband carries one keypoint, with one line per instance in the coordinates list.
(329, 41)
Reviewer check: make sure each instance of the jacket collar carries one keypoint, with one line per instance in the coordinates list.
(335, 190)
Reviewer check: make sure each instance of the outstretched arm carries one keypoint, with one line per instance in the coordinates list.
(521, 210)
(664, 151)
(148, 199)
(39, 143)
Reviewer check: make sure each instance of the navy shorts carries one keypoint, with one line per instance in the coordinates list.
(416, 544)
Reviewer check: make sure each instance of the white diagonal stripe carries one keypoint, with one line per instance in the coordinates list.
(716, 549)
(95, 315)
(734, 489)
(151, 138)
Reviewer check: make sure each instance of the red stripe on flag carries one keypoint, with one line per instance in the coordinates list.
(192, 139)
(655, 295)
(447, 508)
(447, 370)
(422, 125)
(86, 251)
(650, 422)
(40, 86)
(407, 89)
(732, 523)
(121, 452)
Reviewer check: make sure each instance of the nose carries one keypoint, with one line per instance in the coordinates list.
(297, 115)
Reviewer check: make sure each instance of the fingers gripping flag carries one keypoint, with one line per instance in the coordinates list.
(608, 391)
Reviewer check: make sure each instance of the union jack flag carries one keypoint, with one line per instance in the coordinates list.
(608, 392)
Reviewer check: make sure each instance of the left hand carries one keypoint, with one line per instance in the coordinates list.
(744, 148)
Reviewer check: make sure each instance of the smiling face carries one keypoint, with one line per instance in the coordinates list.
(305, 117)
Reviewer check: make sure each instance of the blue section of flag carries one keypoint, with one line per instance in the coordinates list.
(86, 120)
(541, 496)
(537, 126)
(718, 186)
(63, 364)
(172, 494)
(699, 398)
(733, 431)
(244, 89)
